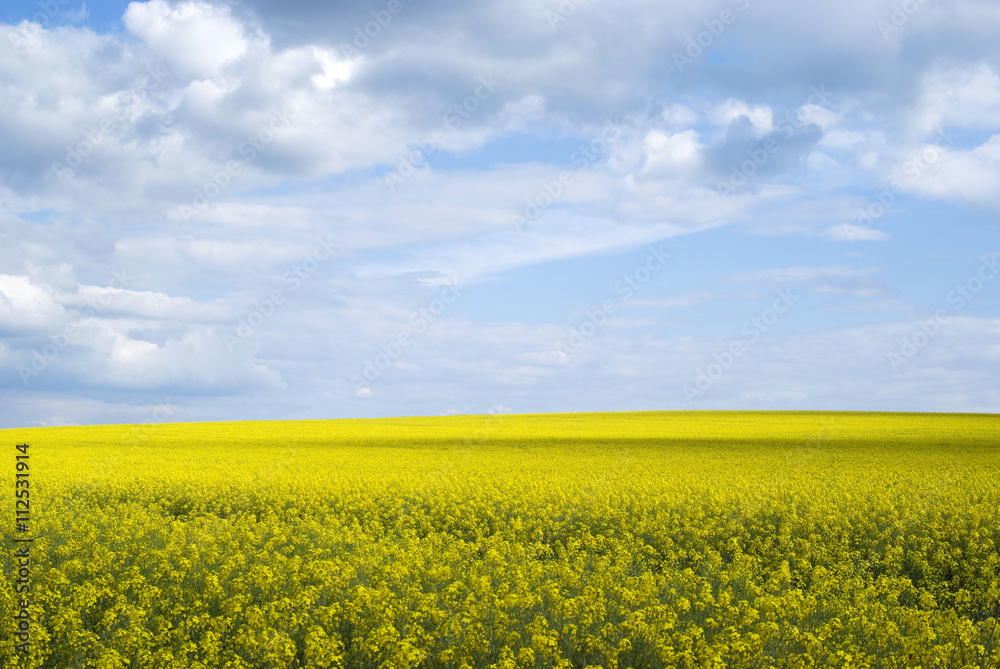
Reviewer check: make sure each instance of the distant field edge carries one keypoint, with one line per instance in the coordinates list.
(639, 427)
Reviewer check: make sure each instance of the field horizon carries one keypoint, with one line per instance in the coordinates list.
(615, 540)
(569, 421)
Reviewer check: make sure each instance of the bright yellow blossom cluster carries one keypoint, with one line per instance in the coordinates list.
(642, 540)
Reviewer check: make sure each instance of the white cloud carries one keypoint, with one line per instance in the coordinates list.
(194, 37)
(848, 232)
(149, 305)
(973, 175)
(679, 116)
(803, 274)
(146, 125)
(25, 306)
(761, 116)
(819, 115)
(672, 154)
(471, 262)
(837, 279)
(126, 339)
(335, 69)
(219, 256)
(965, 96)
(197, 361)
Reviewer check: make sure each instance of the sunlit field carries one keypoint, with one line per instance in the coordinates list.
(654, 539)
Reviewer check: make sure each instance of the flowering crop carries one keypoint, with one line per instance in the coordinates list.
(655, 539)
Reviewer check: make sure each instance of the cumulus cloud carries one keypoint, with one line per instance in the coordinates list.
(744, 155)
(760, 117)
(972, 175)
(110, 336)
(192, 37)
(958, 97)
(678, 153)
(25, 306)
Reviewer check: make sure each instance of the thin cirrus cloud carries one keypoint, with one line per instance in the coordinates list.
(237, 206)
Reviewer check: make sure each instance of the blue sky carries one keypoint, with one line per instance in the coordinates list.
(253, 210)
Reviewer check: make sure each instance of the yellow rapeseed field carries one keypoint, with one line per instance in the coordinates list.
(653, 539)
